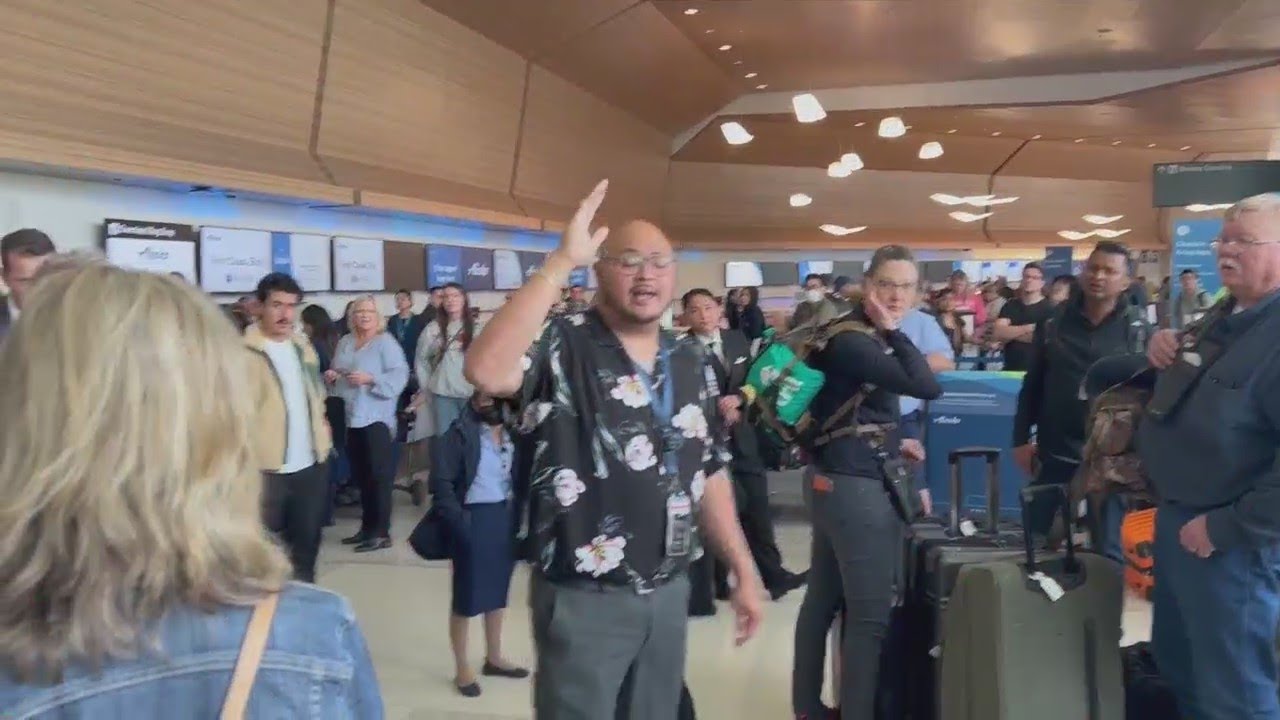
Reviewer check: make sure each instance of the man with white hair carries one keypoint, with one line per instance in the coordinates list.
(1209, 444)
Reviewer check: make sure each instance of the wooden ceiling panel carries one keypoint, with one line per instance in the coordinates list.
(641, 63)
(571, 140)
(415, 93)
(1256, 26)
(703, 194)
(531, 27)
(1088, 162)
(809, 238)
(170, 78)
(805, 44)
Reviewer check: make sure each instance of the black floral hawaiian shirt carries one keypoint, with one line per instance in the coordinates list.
(601, 467)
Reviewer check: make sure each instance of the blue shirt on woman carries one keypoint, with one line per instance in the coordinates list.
(382, 358)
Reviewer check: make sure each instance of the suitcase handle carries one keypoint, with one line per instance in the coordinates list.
(1028, 495)
(992, 457)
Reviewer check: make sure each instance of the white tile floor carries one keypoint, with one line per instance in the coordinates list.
(403, 606)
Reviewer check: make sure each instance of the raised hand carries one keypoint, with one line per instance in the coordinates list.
(878, 314)
(578, 243)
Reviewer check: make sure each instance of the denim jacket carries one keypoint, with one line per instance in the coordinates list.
(315, 665)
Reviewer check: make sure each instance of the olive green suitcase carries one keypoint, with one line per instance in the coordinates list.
(1009, 652)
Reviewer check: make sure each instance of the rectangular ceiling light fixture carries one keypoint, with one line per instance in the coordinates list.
(840, 229)
(735, 134)
(807, 108)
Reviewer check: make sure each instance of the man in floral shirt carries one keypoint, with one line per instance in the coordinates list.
(625, 474)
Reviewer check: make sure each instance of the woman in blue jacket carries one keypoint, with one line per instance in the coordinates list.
(471, 485)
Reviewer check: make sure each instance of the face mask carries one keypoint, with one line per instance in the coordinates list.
(813, 296)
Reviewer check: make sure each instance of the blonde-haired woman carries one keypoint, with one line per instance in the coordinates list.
(132, 556)
(370, 371)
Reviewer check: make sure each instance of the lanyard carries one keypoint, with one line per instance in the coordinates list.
(663, 404)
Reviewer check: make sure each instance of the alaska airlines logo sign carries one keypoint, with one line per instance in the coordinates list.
(478, 269)
(946, 420)
(151, 253)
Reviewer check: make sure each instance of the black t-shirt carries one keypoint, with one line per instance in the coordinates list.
(597, 491)
(1017, 355)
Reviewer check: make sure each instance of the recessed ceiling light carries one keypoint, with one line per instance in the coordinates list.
(800, 200)
(1101, 219)
(859, 124)
(735, 134)
(930, 150)
(1151, 145)
(1109, 233)
(750, 75)
(968, 217)
(1035, 137)
(838, 169)
(807, 108)
(691, 11)
(737, 62)
(762, 86)
(1185, 147)
(708, 31)
(1079, 140)
(1198, 207)
(840, 229)
(952, 131)
(1073, 234)
(725, 47)
(1115, 142)
(892, 127)
(852, 160)
(996, 134)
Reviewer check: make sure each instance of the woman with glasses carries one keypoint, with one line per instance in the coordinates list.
(370, 372)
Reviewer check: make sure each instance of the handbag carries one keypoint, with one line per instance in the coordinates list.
(246, 669)
(430, 537)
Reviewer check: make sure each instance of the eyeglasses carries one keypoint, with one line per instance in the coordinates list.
(631, 262)
(1222, 242)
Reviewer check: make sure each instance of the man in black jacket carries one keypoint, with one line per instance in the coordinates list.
(1096, 322)
(729, 353)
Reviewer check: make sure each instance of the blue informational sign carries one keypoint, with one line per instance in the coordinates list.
(470, 267)
(976, 410)
(1193, 248)
(530, 262)
(1057, 261)
(580, 277)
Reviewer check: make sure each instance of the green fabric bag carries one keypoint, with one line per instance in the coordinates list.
(790, 399)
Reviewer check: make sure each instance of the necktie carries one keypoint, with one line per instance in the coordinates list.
(722, 374)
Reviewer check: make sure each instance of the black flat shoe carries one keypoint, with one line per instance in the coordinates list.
(471, 691)
(355, 539)
(514, 673)
(374, 544)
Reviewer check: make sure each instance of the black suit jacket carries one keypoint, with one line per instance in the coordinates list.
(731, 375)
(5, 321)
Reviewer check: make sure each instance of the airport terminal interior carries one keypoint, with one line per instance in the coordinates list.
(386, 148)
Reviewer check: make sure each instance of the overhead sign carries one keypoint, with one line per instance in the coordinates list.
(470, 267)
(1193, 250)
(530, 262)
(305, 257)
(1057, 261)
(1212, 183)
(156, 247)
(507, 273)
(358, 265)
(233, 260)
(816, 267)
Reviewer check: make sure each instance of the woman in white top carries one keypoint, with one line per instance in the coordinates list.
(439, 356)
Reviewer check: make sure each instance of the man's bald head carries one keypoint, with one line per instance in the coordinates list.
(637, 235)
(636, 270)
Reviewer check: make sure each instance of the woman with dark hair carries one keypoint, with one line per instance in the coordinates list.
(857, 523)
(323, 332)
(439, 358)
(747, 315)
(949, 320)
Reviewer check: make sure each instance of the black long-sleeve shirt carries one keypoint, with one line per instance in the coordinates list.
(850, 361)
(1063, 349)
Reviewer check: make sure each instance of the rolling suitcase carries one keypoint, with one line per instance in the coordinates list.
(934, 557)
(1035, 638)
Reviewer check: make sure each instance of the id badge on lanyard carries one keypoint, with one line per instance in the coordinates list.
(679, 531)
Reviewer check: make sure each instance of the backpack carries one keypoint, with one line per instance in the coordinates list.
(1110, 462)
(780, 385)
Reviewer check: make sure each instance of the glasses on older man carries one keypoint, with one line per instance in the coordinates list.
(1241, 240)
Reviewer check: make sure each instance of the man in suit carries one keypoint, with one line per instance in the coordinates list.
(22, 252)
(729, 353)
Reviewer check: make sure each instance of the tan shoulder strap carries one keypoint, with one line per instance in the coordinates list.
(255, 641)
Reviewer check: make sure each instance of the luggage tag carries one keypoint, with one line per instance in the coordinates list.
(968, 528)
(1048, 585)
(679, 526)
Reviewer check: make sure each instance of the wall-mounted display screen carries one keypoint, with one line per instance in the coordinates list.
(233, 260)
(358, 264)
(778, 274)
(740, 273)
(151, 246)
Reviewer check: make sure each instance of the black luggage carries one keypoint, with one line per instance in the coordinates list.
(934, 557)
